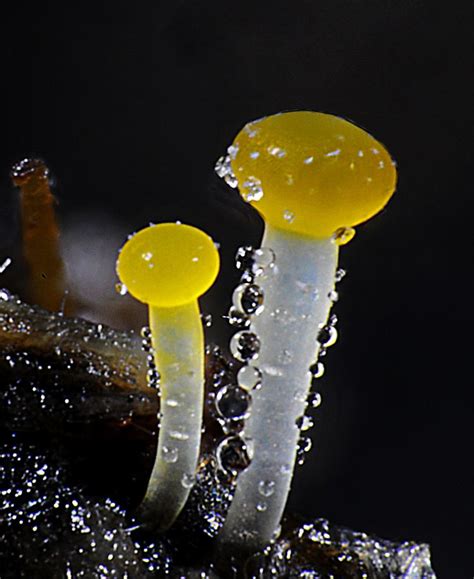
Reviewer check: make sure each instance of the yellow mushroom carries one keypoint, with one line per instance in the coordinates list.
(169, 266)
(312, 177)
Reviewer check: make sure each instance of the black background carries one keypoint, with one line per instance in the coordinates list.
(131, 104)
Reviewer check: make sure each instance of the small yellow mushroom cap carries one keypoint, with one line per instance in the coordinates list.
(168, 265)
(312, 173)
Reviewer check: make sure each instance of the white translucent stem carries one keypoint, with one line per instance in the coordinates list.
(178, 341)
(296, 306)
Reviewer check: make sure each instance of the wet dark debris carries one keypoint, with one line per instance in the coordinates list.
(50, 529)
(319, 550)
(79, 429)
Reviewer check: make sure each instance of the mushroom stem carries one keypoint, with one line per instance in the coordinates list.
(296, 306)
(168, 266)
(177, 338)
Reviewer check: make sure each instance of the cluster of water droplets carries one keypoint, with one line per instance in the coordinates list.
(233, 399)
(247, 300)
(223, 167)
(152, 374)
(230, 405)
(327, 337)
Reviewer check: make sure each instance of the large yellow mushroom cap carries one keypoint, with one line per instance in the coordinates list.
(168, 264)
(312, 173)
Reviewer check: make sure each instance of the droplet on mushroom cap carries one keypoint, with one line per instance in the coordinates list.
(168, 264)
(321, 170)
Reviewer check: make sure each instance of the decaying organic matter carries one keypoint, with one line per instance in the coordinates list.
(78, 433)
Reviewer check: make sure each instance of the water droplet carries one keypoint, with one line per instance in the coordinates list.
(188, 480)
(254, 155)
(248, 297)
(261, 507)
(327, 336)
(244, 257)
(145, 332)
(27, 167)
(251, 129)
(271, 370)
(171, 402)
(254, 262)
(5, 295)
(206, 320)
(249, 377)
(314, 399)
(231, 180)
(170, 455)
(333, 296)
(178, 435)
(109, 535)
(233, 403)
(317, 370)
(233, 455)
(232, 151)
(322, 352)
(252, 189)
(276, 152)
(153, 378)
(288, 216)
(121, 288)
(308, 160)
(263, 260)
(300, 395)
(238, 319)
(147, 256)
(304, 423)
(340, 274)
(304, 446)
(266, 488)
(343, 235)
(245, 346)
(223, 169)
(285, 469)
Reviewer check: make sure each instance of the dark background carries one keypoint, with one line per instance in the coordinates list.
(131, 104)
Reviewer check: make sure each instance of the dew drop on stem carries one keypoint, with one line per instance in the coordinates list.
(238, 319)
(245, 346)
(249, 377)
(266, 488)
(233, 455)
(170, 455)
(233, 403)
(248, 298)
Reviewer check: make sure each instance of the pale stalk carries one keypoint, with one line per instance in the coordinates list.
(178, 343)
(296, 307)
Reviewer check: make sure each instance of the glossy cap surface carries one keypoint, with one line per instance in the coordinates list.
(168, 264)
(312, 173)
